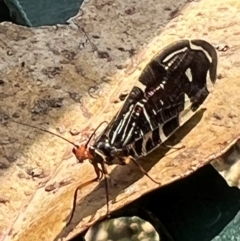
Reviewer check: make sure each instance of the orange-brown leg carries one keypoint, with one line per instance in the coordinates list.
(172, 147)
(100, 174)
(129, 159)
(106, 176)
(75, 198)
(98, 171)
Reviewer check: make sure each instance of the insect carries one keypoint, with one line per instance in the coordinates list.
(154, 108)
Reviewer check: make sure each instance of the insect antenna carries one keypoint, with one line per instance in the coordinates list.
(44, 130)
(102, 172)
(94, 132)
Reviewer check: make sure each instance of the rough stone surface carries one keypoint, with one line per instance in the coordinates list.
(54, 78)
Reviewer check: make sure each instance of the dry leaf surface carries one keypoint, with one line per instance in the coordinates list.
(45, 83)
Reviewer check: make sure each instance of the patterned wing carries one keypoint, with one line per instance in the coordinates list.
(151, 111)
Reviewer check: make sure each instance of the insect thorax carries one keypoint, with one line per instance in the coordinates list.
(103, 151)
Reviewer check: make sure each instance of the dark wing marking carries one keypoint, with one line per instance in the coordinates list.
(151, 111)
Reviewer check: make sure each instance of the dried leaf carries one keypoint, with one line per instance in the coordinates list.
(208, 135)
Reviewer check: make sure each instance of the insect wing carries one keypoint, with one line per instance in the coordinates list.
(151, 112)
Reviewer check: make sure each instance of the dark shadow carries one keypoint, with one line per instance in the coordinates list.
(195, 208)
(4, 13)
(121, 170)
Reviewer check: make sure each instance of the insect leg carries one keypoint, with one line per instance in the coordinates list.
(100, 173)
(172, 147)
(75, 198)
(130, 158)
(106, 176)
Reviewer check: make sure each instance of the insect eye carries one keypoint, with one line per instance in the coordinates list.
(74, 150)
